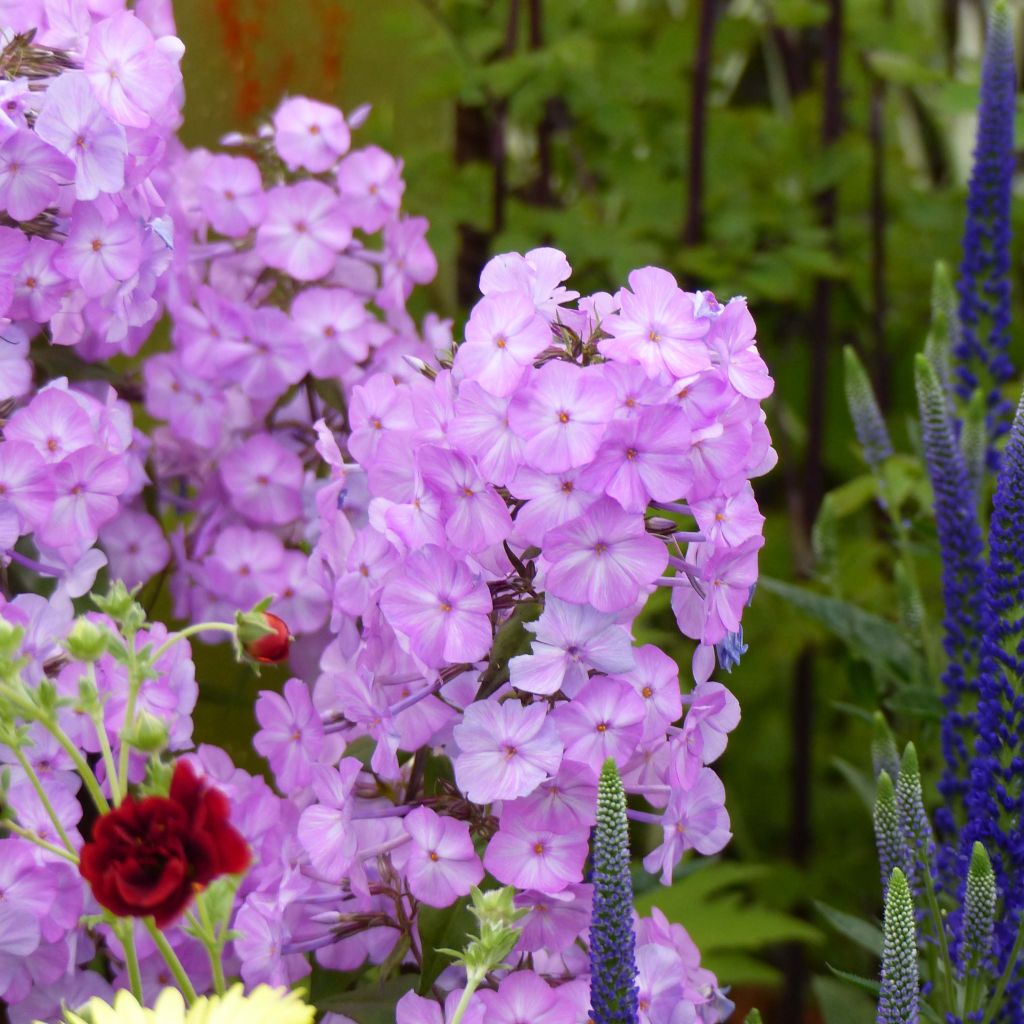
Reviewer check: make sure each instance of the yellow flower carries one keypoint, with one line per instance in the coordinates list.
(264, 1005)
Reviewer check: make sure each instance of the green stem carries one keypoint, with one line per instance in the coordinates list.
(30, 772)
(212, 944)
(39, 841)
(117, 793)
(126, 932)
(134, 685)
(81, 765)
(1012, 964)
(473, 979)
(184, 634)
(172, 961)
(940, 934)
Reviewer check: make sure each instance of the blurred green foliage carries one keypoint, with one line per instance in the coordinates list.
(570, 123)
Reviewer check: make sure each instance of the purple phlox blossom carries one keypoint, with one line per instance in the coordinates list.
(87, 484)
(731, 339)
(409, 260)
(333, 322)
(132, 74)
(533, 858)
(277, 356)
(440, 607)
(729, 519)
(26, 483)
(475, 515)
(603, 558)
(555, 921)
(324, 829)
(726, 576)
(46, 624)
(480, 429)
(73, 122)
(538, 274)
(551, 500)
(31, 173)
(642, 458)
(31, 814)
(525, 998)
(13, 248)
(136, 546)
(661, 996)
(261, 933)
(414, 1009)
(38, 284)
(303, 230)
(365, 705)
(298, 598)
(310, 134)
(290, 734)
(695, 819)
(75, 988)
(712, 713)
(504, 335)
(16, 372)
(98, 253)
(634, 390)
(563, 803)
(231, 194)
(655, 679)
(561, 415)
(505, 750)
(413, 523)
(658, 929)
(378, 407)
(570, 640)
(27, 897)
(369, 562)
(722, 450)
(243, 565)
(194, 409)
(604, 720)
(371, 186)
(263, 480)
(50, 761)
(442, 864)
(656, 327)
(210, 334)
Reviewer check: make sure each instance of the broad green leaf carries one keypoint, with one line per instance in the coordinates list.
(864, 933)
(441, 928)
(867, 984)
(839, 1004)
(369, 1004)
(859, 782)
(853, 495)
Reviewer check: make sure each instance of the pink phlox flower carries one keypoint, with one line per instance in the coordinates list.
(551, 500)
(565, 802)
(523, 997)
(98, 253)
(539, 275)
(263, 480)
(712, 714)
(656, 681)
(440, 607)
(442, 864)
(412, 524)
(17, 99)
(131, 73)
(481, 430)
(369, 562)
(31, 173)
(731, 338)
(371, 186)
(570, 640)
(135, 545)
(561, 415)
(658, 929)
(505, 750)
(26, 483)
(231, 194)
(643, 458)
(721, 452)
(261, 931)
(303, 230)
(605, 719)
(532, 858)
(433, 408)
(310, 134)
(73, 122)
(555, 921)
(729, 519)
(726, 576)
(364, 703)
(87, 484)
(298, 598)
(475, 515)
(656, 327)
(409, 260)
(243, 564)
(290, 734)
(603, 558)
(634, 390)
(333, 322)
(377, 407)
(211, 334)
(195, 409)
(661, 993)
(277, 357)
(414, 1009)
(695, 819)
(13, 249)
(325, 829)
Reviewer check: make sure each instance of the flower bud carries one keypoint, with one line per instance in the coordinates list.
(86, 641)
(147, 733)
(263, 636)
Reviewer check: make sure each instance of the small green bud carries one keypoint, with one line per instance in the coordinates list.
(754, 1017)
(120, 604)
(86, 641)
(10, 640)
(147, 733)
(979, 912)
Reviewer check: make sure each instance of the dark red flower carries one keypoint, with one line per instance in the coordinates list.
(270, 648)
(149, 856)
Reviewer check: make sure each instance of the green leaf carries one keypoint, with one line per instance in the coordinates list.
(840, 1005)
(441, 928)
(867, 935)
(867, 984)
(859, 782)
(369, 1004)
(853, 495)
(921, 701)
(870, 637)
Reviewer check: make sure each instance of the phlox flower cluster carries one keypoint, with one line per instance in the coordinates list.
(489, 529)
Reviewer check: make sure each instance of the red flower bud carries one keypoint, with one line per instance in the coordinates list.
(270, 648)
(149, 856)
